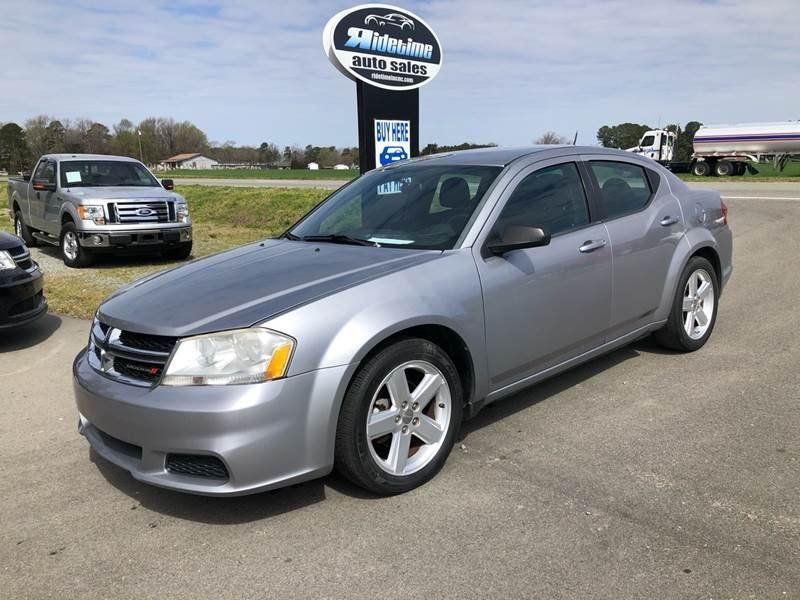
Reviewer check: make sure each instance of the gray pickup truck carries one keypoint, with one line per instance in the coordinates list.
(88, 204)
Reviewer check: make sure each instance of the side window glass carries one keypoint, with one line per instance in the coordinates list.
(624, 188)
(47, 171)
(551, 198)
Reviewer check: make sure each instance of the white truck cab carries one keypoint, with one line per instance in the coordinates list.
(658, 144)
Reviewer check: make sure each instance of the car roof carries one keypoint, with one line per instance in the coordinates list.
(61, 157)
(500, 156)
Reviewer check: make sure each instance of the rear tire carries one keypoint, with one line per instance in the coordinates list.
(399, 418)
(23, 231)
(724, 168)
(694, 308)
(74, 255)
(180, 252)
(701, 168)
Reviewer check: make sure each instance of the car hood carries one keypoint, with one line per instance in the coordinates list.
(9, 241)
(119, 193)
(244, 286)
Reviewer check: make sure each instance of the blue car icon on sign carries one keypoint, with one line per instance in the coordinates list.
(392, 154)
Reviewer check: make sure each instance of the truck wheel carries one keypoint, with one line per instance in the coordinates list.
(724, 168)
(23, 232)
(180, 252)
(73, 254)
(701, 168)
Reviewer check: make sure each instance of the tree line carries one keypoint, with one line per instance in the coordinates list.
(628, 135)
(152, 140)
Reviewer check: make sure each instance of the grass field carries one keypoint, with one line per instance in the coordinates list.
(224, 217)
(259, 174)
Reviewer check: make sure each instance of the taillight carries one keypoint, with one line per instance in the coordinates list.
(724, 208)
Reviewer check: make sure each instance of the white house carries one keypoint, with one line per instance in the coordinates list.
(313, 166)
(188, 161)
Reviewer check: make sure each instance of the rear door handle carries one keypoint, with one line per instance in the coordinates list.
(592, 245)
(667, 221)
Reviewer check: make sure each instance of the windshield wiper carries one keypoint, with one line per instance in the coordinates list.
(337, 238)
(290, 236)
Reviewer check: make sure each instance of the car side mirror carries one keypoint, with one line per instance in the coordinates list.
(168, 184)
(519, 237)
(42, 185)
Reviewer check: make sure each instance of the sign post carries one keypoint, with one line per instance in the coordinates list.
(390, 53)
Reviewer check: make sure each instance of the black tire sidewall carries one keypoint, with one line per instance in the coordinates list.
(357, 402)
(701, 169)
(27, 237)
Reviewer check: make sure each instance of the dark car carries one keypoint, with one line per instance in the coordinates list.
(21, 282)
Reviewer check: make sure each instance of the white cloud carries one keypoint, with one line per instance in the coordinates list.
(254, 71)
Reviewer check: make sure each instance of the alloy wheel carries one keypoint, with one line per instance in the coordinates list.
(408, 418)
(18, 227)
(70, 245)
(698, 304)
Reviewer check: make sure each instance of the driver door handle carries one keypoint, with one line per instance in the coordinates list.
(667, 221)
(592, 245)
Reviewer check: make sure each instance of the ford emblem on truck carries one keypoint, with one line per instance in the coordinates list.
(144, 212)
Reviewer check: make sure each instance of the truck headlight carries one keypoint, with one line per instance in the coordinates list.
(6, 262)
(89, 212)
(182, 212)
(229, 357)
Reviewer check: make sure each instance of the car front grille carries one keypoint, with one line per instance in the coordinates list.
(22, 257)
(27, 305)
(196, 465)
(129, 356)
(141, 212)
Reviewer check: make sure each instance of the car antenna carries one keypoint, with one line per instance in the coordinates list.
(575, 139)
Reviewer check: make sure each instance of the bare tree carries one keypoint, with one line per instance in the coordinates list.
(551, 137)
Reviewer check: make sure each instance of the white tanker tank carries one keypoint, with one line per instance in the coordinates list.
(727, 149)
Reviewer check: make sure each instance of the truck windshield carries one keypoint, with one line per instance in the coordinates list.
(105, 173)
(411, 206)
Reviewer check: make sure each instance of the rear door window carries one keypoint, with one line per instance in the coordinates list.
(624, 187)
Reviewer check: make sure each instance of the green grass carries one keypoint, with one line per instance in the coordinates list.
(259, 174)
(224, 217)
(765, 173)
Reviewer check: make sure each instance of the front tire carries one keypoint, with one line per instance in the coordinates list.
(22, 231)
(74, 255)
(399, 418)
(694, 308)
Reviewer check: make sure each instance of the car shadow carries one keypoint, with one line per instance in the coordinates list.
(27, 336)
(113, 261)
(265, 505)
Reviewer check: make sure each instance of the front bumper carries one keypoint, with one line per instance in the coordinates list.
(135, 237)
(21, 299)
(267, 435)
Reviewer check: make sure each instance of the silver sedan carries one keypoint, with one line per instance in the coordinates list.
(401, 305)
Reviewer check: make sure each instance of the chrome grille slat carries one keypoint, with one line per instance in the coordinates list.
(136, 364)
(129, 212)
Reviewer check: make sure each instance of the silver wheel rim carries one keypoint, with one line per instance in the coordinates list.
(698, 304)
(408, 418)
(70, 245)
(18, 228)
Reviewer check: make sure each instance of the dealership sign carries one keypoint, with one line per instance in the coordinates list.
(384, 46)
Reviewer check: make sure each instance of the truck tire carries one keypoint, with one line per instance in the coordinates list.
(22, 231)
(724, 168)
(73, 254)
(701, 168)
(180, 252)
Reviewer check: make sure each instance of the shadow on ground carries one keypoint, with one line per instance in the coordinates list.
(27, 336)
(245, 509)
(117, 259)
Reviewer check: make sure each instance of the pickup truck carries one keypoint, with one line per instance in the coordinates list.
(88, 203)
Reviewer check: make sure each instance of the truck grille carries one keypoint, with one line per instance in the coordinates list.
(132, 357)
(140, 212)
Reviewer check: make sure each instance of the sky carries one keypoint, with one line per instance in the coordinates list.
(254, 71)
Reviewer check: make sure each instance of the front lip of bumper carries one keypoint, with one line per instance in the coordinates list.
(268, 435)
(17, 290)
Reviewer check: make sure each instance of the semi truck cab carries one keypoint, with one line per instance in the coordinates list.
(658, 144)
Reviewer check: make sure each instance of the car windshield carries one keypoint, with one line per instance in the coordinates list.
(105, 173)
(413, 206)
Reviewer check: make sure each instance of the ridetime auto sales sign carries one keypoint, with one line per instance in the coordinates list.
(384, 46)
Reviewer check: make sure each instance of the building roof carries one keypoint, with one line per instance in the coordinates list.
(182, 157)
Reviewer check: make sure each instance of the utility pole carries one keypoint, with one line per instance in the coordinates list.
(141, 156)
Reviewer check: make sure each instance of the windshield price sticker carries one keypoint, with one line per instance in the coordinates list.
(383, 45)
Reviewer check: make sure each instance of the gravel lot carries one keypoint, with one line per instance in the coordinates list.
(643, 474)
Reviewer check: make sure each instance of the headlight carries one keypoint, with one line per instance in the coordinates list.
(230, 357)
(182, 213)
(92, 213)
(6, 262)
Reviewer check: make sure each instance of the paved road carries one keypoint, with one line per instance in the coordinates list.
(643, 474)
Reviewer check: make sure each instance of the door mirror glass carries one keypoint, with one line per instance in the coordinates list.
(518, 237)
(168, 184)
